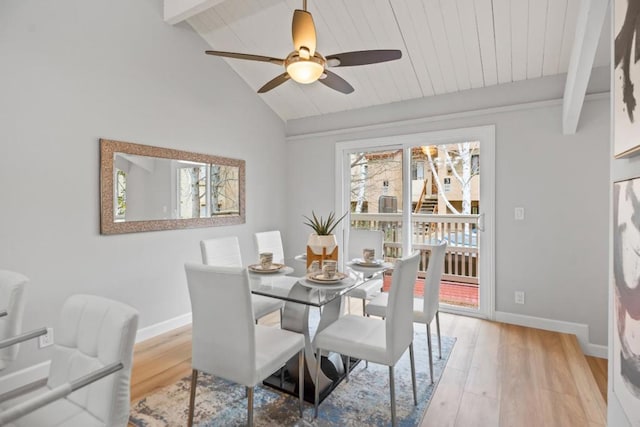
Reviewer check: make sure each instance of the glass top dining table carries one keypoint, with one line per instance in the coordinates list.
(300, 294)
(302, 290)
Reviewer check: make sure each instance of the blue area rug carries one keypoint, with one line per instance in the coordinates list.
(364, 400)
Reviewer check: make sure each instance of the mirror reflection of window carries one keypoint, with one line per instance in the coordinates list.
(208, 190)
(192, 183)
(121, 195)
(225, 194)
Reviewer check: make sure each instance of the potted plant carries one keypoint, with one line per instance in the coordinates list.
(322, 241)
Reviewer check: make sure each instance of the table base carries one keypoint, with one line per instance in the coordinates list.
(286, 383)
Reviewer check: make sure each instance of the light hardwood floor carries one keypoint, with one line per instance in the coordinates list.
(497, 375)
(506, 375)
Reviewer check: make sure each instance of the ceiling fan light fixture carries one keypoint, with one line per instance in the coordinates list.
(302, 70)
(305, 65)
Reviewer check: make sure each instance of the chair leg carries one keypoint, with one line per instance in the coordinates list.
(348, 367)
(250, 406)
(413, 374)
(301, 379)
(316, 383)
(429, 350)
(282, 377)
(192, 396)
(392, 386)
(363, 306)
(438, 328)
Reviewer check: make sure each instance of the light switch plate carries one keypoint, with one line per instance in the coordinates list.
(519, 214)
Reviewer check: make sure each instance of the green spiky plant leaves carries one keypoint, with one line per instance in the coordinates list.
(321, 226)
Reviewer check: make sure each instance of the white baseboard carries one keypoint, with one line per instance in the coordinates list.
(597, 350)
(151, 331)
(24, 376)
(33, 373)
(581, 331)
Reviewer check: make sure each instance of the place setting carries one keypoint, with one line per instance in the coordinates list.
(327, 277)
(369, 263)
(267, 266)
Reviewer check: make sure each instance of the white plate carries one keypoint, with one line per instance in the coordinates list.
(318, 277)
(257, 268)
(344, 283)
(363, 263)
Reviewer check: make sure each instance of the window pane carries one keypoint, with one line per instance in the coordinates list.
(376, 188)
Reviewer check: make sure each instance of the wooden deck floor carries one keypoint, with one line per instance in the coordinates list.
(453, 293)
(497, 375)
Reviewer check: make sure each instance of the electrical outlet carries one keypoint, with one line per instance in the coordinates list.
(519, 297)
(46, 340)
(519, 214)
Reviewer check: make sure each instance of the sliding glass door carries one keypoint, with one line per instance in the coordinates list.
(423, 189)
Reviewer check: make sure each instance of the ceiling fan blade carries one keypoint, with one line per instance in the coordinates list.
(304, 31)
(336, 82)
(363, 57)
(246, 56)
(271, 84)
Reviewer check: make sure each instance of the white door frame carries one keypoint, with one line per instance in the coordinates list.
(486, 136)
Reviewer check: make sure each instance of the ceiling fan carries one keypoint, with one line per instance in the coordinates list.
(306, 65)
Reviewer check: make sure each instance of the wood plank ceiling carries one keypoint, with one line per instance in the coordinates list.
(447, 46)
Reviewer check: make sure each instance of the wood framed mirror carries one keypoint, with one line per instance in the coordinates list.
(146, 188)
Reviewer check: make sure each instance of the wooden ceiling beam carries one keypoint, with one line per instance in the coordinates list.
(588, 28)
(176, 11)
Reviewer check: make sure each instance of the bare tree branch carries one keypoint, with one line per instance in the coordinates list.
(357, 161)
(440, 189)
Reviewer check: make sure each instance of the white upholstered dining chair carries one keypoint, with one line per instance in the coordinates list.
(358, 240)
(93, 333)
(270, 241)
(425, 308)
(12, 300)
(381, 341)
(225, 252)
(226, 341)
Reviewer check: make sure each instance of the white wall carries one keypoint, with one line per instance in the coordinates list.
(558, 255)
(74, 71)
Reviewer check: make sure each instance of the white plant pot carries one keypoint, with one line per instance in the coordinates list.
(316, 243)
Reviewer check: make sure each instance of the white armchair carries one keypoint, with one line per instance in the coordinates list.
(425, 308)
(377, 340)
(95, 334)
(225, 252)
(12, 300)
(226, 341)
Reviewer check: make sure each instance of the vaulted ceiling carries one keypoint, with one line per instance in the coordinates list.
(447, 45)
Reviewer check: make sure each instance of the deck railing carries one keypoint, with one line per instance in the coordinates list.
(460, 232)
